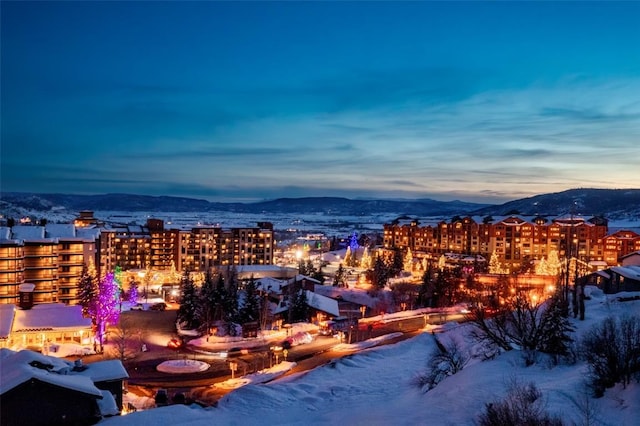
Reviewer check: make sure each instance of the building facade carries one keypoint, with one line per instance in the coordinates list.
(515, 240)
(52, 257)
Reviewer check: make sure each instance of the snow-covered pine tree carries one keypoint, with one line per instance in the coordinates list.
(87, 290)
(553, 263)
(299, 307)
(189, 312)
(338, 277)
(556, 328)
(365, 261)
(251, 308)
(495, 267)
(408, 261)
(348, 257)
(230, 302)
(207, 299)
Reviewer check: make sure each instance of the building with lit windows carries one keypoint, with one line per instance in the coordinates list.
(203, 248)
(50, 257)
(515, 240)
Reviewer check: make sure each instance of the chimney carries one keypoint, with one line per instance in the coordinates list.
(25, 292)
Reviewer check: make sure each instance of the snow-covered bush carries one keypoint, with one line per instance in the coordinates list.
(612, 351)
(446, 360)
(523, 406)
(525, 325)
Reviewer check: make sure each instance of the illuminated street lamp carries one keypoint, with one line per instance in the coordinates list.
(276, 351)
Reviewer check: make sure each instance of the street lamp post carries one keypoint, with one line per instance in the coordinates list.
(233, 366)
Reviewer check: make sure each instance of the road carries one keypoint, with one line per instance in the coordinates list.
(157, 327)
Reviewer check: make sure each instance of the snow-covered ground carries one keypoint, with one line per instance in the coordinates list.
(376, 387)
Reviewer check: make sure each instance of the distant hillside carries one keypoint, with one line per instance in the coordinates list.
(611, 203)
(328, 205)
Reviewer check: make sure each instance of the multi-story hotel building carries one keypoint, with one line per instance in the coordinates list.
(52, 257)
(198, 249)
(203, 248)
(514, 239)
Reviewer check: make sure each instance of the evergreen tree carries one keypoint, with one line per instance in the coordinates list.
(379, 275)
(220, 297)
(299, 307)
(365, 261)
(302, 267)
(495, 267)
(310, 269)
(87, 290)
(348, 257)
(425, 293)
(407, 264)
(208, 299)
(318, 275)
(542, 267)
(353, 242)
(189, 311)
(556, 328)
(397, 263)
(230, 302)
(338, 278)
(554, 264)
(251, 308)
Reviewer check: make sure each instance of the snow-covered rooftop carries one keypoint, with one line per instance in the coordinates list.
(18, 367)
(322, 303)
(6, 320)
(89, 233)
(29, 233)
(103, 371)
(5, 233)
(60, 230)
(271, 284)
(261, 271)
(631, 272)
(50, 316)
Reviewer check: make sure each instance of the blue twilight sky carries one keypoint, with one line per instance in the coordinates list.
(479, 101)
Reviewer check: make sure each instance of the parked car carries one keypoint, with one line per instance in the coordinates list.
(137, 307)
(235, 351)
(175, 343)
(158, 306)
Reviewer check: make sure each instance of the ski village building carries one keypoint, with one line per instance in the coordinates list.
(51, 257)
(36, 389)
(514, 239)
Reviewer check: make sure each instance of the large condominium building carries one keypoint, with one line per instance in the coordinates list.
(50, 257)
(198, 249)
(203, 248)
(514, 239)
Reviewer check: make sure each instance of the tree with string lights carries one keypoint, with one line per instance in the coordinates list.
(104, 310)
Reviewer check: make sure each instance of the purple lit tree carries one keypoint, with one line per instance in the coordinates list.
(133, 291)
(353, 242)
(104, 309)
